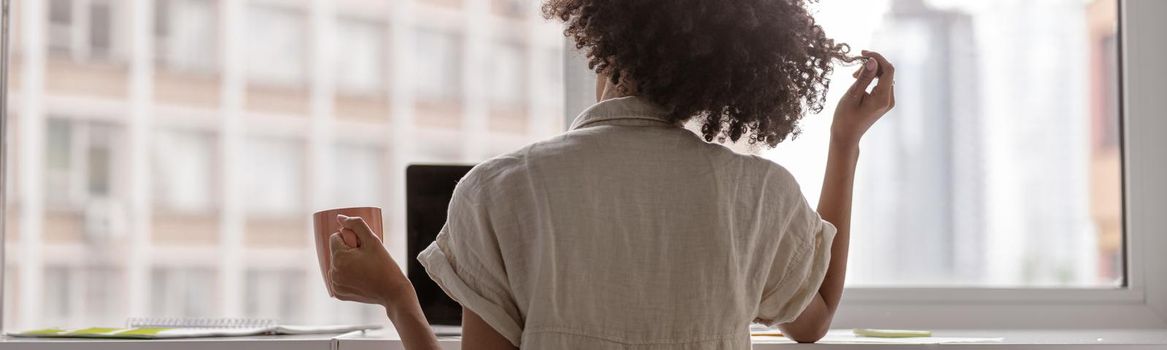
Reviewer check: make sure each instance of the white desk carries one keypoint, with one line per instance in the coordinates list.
(280, 342)
(1012, 339)
(388, 340)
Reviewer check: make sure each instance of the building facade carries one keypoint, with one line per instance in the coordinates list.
(167, 153)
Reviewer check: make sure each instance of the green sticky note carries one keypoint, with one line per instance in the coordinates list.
(891, 333)
(93, 331)
(142, 332)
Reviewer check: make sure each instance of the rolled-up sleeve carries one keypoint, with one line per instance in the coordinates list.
(799, 264)
(466, 262)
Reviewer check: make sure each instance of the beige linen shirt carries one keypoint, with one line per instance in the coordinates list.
(629, 232)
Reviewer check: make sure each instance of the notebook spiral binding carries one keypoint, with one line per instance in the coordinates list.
(180, 322)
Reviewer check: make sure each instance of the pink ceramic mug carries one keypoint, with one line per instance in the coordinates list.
(324, 223)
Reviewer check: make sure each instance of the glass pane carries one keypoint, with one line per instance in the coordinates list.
(507, 74)
(186, 36)
(182, 291)
(275, 176)
(360, 55)
(224, 169)
(999, 165)
(439, 64)
(184, 163)
(59, 158)
(276, 47)
(60, 12)
(100, 29)
(357, 176)
(60, 33)
(275, 294)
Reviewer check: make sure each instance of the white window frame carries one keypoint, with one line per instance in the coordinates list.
(1141, 304)
(5, 24)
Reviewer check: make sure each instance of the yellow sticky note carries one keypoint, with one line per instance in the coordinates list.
(891, 333)
(772, 333)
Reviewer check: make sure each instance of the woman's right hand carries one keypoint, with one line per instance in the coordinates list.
(858, 109)
(365, 273)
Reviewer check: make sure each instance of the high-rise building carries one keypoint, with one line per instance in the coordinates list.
(924, 184)
(981, 170)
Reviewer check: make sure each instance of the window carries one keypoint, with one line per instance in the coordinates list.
(100, 29)
(1096, 264)
(507, 78)
(197, 157)
(58, 301)
(550, 76)
(184, 166)
(186, 34)
(80, 161)
(59, 158)
(439, 65)
(83, 29)
(275, 294)
(183, 292)
(226, 183)
(60, 25)
(513, 8)
(275, 176)
(360, 55)
(991, 100)
(76, 294)
(357, 176)
(276, 49)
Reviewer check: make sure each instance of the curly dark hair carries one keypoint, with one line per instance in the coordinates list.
(746, 67)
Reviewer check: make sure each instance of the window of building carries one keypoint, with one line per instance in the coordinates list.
(60, 25)
(58, 301)
(357, 175)
(186, 34)
(276, 295)
(507, 73)
(83, 29)
(550, 76)
(360, 56)
(81, 161)
(277, 52)
(185, 163)
(59, 158)
(438, 63)
(183, 292)
(275, 176)
(100, 29)
(77, 294)
(513, 8)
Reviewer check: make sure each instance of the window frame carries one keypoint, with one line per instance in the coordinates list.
(1140, 303)
(5, 25)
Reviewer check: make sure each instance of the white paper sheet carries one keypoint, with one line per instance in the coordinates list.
(845, 336)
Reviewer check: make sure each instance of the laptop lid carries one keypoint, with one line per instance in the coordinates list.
(428, 191)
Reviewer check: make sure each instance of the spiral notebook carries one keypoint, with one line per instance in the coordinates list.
(165, 328)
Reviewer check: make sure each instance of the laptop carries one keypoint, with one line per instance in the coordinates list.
(428, 190)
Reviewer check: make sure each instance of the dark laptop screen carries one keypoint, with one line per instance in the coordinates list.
(428, 192)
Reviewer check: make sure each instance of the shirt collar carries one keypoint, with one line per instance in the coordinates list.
(631, 110)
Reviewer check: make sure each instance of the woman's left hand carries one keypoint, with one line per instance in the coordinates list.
(366, 273)
(858, 110)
